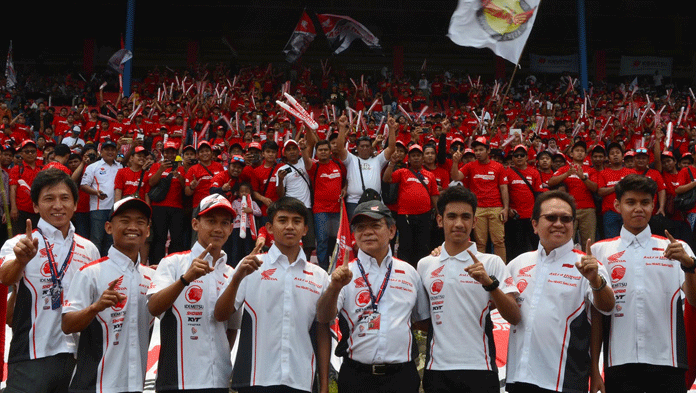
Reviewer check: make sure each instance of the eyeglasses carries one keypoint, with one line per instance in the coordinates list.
(552, 218)
(519, 155)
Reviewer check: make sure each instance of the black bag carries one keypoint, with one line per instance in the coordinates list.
(369, 194)
(159, 192)
(390, 193)
(687, 200)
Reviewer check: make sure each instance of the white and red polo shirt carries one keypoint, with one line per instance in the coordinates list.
(461, 337)
(550, 346)
(197, 353)
(403, 300)
(280, 306)
(36, 326)
(112, 350)
(647, 322)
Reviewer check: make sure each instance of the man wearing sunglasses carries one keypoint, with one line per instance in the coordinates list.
(549, 349)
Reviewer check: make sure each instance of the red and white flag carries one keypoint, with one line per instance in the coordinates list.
(343, 251)
(301, 37)
(500, 25)
(10, 73)
(342, 30)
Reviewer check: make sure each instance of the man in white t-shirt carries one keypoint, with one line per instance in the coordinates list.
(364, 171)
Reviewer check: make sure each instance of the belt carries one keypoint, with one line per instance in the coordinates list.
(375, 369)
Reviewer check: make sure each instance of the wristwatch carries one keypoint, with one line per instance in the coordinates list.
(691, 269)
(601, 286)
(493, 285)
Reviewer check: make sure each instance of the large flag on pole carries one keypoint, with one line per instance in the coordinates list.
(10, 73)
(500, 25)
(301, 37)
(343, 251)
(341, 31)
(118, 59)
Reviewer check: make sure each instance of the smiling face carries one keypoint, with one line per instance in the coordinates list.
(213, 228)
(553, 234)
(129, 229)
(56, 205)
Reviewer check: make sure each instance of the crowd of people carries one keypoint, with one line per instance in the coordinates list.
(160, 205)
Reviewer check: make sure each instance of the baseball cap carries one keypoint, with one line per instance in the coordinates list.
(26, 143)
(520, 147)
(599, 146)
(171, 145)
(481, 140)
(254, 145)
(642, 150)
(204, 143)
(415, 147)
(238, 159)
(373, 209)
(288, 143)
(468, 151)
(76, 129)
(688, 156)
(139, 149)
(630, 153)
(667, 153)
(130, 203)
(212, 202)
(456, 140)
(188, 147)
(108, 142)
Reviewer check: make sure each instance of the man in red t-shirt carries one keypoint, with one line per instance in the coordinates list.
(263, 182)
(524, 183)
(168, 213)
(487, 180)
(606, 180)
(199, 177)
(578, 179)
(21, 177)
(418, 195)
(327, 177)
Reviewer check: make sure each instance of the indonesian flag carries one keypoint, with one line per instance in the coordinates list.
(343, 251)
(500, 25)
(341, 31)
(300, 39)
(10, 73)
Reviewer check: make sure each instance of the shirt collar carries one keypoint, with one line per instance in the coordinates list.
(461, 257)
(122, 260)
(53, 234)
(556, 253)
(198, 249)
(275, 256)
(367, 261)
(640, 240)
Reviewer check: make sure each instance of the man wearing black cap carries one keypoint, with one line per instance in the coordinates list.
(98, 181)
(107, 305)
(578, 178)
(380, 295)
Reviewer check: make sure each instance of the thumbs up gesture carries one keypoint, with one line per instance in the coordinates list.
(675, 250)
(26, 247)
(588, 267)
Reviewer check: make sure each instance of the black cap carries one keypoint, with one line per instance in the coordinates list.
(130, 203)
(108, 142)
(373, 209)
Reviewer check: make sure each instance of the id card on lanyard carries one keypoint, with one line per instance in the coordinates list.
(56, 290)
(370, 320)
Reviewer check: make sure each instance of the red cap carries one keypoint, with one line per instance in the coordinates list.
(254, 145)
(288, 143)
(170, 145)
(523, 147)
(204, 143)
(215, 201)
(481, 140)
(415, 147)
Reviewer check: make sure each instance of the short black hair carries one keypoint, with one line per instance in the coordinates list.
(288, 204)
(635, 182)
(322, 142)
(456, 194)
(61, 150)
(553, 194)
(269, 145)
(51, 177)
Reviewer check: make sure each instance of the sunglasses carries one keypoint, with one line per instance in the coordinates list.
(552, 218)
(519, 155)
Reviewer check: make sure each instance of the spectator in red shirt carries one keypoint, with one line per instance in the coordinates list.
(327, 177)
(21, 177)
(486, 179)
(263, 181)
(418, 195)
(168, 214)
(606, 180)
(577, 177)
(524, 183)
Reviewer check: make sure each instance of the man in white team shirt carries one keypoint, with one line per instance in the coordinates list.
(380, 297)
(363, 164)
(645, 343)
(549, 349)
(41, 357)
(183, 294)
(463, 287)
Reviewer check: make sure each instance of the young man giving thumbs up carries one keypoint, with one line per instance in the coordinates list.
(195, 352)
(645, 343)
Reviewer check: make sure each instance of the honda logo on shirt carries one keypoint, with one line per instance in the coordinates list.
(362, 299)
(266, 275)
(436, 287)
(437, 272)
(617, 273)
(194, 294)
